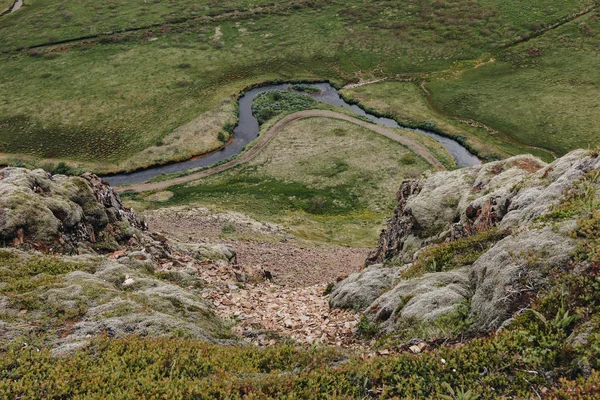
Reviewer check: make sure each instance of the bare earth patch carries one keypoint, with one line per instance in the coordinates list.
(264, 246)
(292, 303)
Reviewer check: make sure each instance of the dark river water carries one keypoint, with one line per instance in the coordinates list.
(247, 130)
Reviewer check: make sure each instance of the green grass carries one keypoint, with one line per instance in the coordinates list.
(102, 103)
(274, 102)
(42, 21)
(326, 180)
(20, 275)
(306, 88)
(406, 102)
(541, 93)
(5, 5)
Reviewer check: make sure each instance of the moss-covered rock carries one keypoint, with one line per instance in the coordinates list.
(485, 236)
(72, 299)
(60, 212)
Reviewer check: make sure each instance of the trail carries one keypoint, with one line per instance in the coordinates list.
(271, 133)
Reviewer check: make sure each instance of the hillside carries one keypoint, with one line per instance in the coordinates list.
(306, 199)
(483, 284)
(123, 85)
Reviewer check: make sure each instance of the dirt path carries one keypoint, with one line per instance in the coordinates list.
(271, 133)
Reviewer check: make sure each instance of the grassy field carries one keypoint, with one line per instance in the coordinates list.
(44, 21)
(541, 93)
(325, 180)
(406, 102)
(5, 4)
(103, 102)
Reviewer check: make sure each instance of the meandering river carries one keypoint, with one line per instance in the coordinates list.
(247, 130)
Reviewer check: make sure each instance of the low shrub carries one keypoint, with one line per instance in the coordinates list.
(303, 87)
(454, 254)
(274, 102)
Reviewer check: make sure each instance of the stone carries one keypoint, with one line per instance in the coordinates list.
(362, 288)
(508, 196)
(61, 211)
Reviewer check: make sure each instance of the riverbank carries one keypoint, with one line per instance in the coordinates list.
(247, 129)
(264, 140)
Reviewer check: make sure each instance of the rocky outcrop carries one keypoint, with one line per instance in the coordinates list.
(113, 277)
(62, 213)
(512, 196)
(75, 298)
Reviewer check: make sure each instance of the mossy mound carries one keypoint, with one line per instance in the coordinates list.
(62, 213)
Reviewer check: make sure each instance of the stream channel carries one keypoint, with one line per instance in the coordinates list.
(247, 130)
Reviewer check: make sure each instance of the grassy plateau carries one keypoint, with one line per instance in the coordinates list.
(325, 180)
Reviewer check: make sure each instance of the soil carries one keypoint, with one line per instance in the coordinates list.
(282, 292)
(290, 262)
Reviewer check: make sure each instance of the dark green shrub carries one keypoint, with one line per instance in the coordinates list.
(63, 169)
(274, 102)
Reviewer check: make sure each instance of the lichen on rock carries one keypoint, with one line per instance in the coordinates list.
(61, 213)
(510, 200)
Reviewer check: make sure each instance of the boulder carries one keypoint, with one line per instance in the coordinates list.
(362, 288)
(512, 197)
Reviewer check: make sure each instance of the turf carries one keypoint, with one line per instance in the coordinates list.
(406, 102)
(541, 93)
(5, 5)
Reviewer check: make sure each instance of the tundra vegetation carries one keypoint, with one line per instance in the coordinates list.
(116, 86)
(108, 85)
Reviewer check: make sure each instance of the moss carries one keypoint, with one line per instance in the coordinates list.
(107, 243)
(25, 273)
(579, 198)
(588, 230)
(366, 329)
(454, 254)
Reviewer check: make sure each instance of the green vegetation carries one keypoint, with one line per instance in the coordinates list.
(20, 274)
(105, 103)
(302, 87)
(324, 179)
(540, 93)
(5, 5)
(530, 356)
(552, 347)
(275, 102)
(280, 195)
(406, 103)
(454, 254)
(51, 21)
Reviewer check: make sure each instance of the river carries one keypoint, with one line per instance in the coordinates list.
(247, 130)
